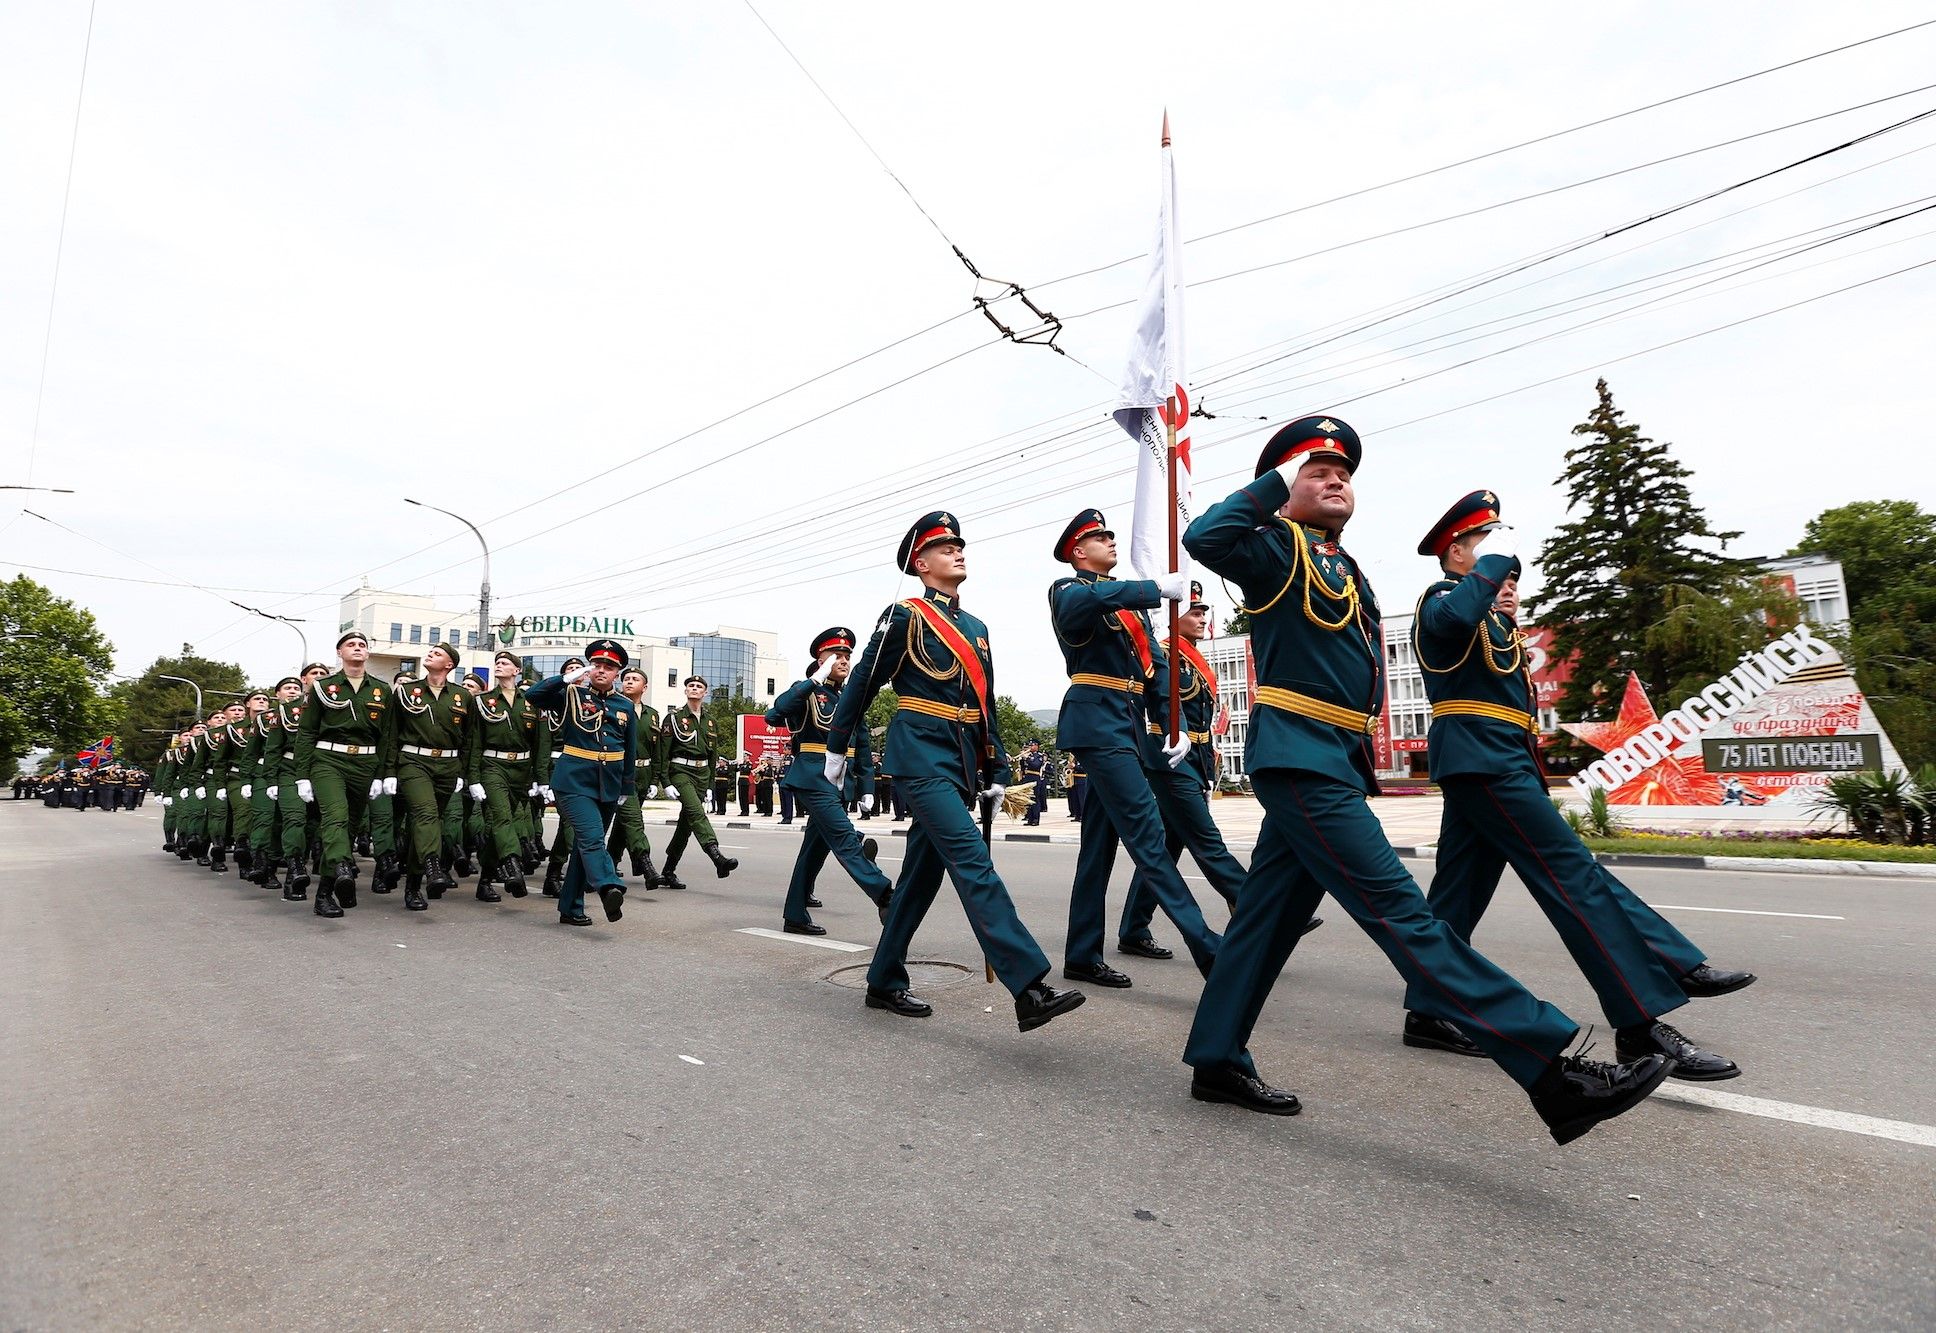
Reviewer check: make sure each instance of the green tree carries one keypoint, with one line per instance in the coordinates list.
(1016, 727)
(1624, 577)
(54, 664)
(1887, 549)
(881, 711)
(152, 707)
(1703, 634)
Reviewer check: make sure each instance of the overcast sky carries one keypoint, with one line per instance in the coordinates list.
(319, 257)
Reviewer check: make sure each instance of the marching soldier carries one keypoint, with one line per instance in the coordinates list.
(261, 763)
(690, 742)
(341, 751)
(165, 783)
(210, 793)
(628, 829)
(592, 772)
(807, 710)
(287, 809)
(1183, 793)
(1113, 691)
(944, 751)
(1485, 759)
(1034, 767)
(561, 841)
(428, 736)
(505, 731)
(1320, 664)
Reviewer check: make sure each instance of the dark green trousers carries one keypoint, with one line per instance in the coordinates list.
(342, 788)
(507, 806)
(426, 788)
(690, 784)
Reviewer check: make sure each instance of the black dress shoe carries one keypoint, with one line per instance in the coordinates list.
(614, 899)
(1098, 974)
(1707, 981)
(573, 919)
(884, 906)
(1690, 1061)
(1310, 926)
(814, 902)
(1224, 1083)
(1143, 947)
(1435, 1034)
(803, 928)
(1039, 1002)
(898, 1002)
(1575, 1093)
(345, 884)
(413, 896)
(870, 849)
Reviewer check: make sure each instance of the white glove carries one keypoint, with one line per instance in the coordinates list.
(867, 805)
(275, 793)
(221, 793)
(164, 801)
(248, 791)
(389, 786)
(1175, 751)
(533, 791)
(651, 794)
(995, 792)
(477, 791)
(304, 790)
(1500, 541)
(1208, 792)
(456, 785)
(825, 669)
(1175, 587)
(183, 793)
(376, 788)
(546, 793)
(576, 674)
(836, 769)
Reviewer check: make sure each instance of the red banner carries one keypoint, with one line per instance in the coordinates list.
(759, 741)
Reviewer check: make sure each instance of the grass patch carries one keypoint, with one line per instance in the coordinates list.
(1790, 848)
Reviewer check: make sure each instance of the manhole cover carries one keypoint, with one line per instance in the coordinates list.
(923, 975)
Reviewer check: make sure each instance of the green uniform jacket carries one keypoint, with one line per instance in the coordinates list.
(280, 765)
(1306, 633)
(431, 721)
(690, 746)
(264, 753)
(497, 725)
(650, 764)
(1470, 653)
(341, 714)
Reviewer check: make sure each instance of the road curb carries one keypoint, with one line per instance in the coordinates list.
(1788, 865)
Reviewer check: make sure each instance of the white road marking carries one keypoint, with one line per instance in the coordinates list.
(692, 1060)
(1902, 1131)
(1743, 911)
(818, 941)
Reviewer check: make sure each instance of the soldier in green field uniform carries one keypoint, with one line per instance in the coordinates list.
(191, 826)
(165, 784)
(505, 733)
(560, 853)
(263, 758)
(628, 828)
(341, 746)
(224, 741)
(691, 741)
(464, 816)
(428, 735)
(238, 743)
(286, 809)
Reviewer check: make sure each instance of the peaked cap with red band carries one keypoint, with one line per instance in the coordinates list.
(1089, 523)
(837, 639)
(1196, 602)
(1477, 512)
(928, 530)
(608, 650)
(1311, 437)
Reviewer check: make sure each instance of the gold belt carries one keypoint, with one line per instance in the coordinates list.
(1196, 737)
(1290, 701)
(951, 714)
(1473, 708)
(812, 747)
(596, 756)
(345, 749)
(1117, 683)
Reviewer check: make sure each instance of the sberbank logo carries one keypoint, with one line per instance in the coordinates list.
(617, 627)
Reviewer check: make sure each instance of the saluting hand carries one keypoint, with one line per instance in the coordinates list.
(825, 669)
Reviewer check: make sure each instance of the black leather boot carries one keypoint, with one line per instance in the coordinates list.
(295, 884)
(487, 894)
(413, 895)
(344, 885)
(553, 881)
(723, 865)
(389, 870)
(512, 878)
(436, 878)
(647, 872)
(326, 901)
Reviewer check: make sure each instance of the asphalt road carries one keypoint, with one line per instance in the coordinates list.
(224, 1112)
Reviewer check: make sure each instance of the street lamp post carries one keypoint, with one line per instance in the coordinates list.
(291, 621)
(484, 591)
(199, 714)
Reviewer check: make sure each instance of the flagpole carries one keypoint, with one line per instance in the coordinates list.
(1176, 699)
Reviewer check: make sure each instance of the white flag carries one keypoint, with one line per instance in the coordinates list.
(1155, 375)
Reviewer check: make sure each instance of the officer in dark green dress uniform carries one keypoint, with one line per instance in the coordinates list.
(944, 751)
(1485, 758)
(1183, 793)
(506, 731)
(429, 752)
(628, 829)
(592, 773)
(691, 741)
(807, 709)
(342, 753)
(1320, 681)
(1109, 651)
